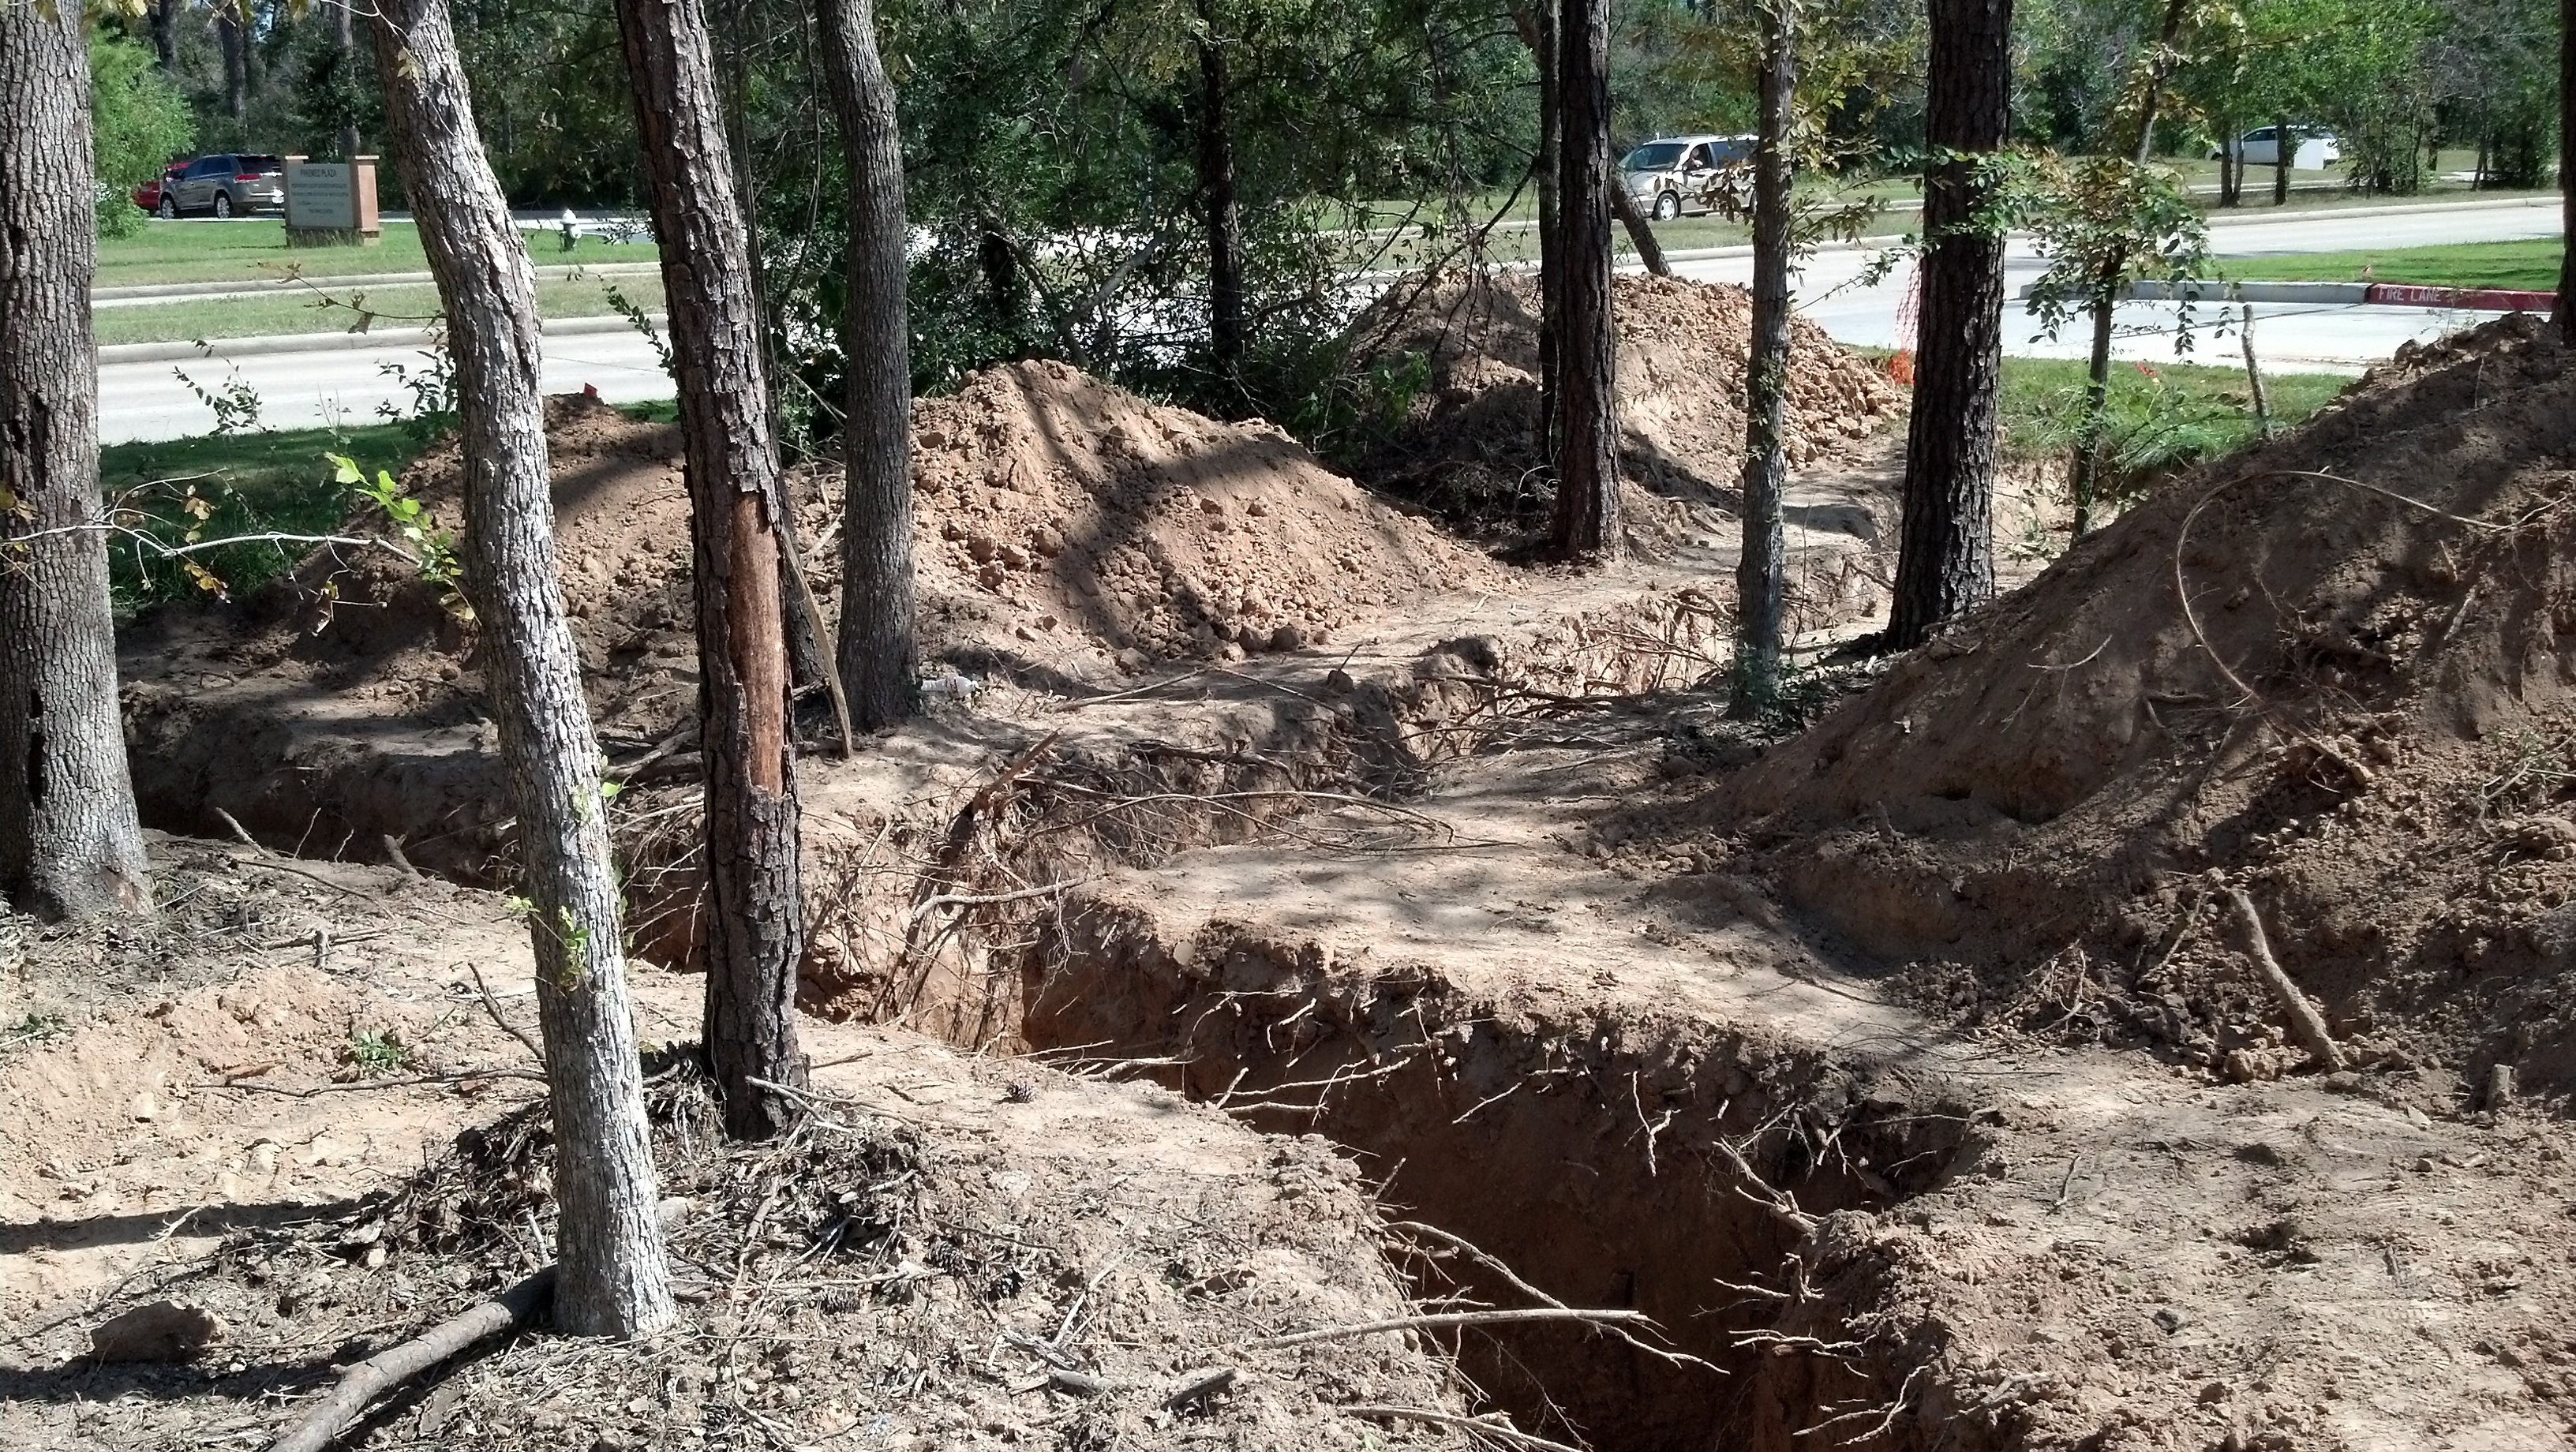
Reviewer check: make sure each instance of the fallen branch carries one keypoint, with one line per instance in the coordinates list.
(1495, 1264)
(1507, 1435)
(463, 1077)
(2307, 1026)
(1442, 1319)
(385, 1370)
(492, 1006)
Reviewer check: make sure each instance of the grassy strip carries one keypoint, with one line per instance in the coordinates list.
(205, 251)
(295, 310)
(2531, 265)
(2165, 416)
(250, 483)
(253, 483)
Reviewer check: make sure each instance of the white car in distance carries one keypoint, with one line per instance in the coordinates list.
(2311, 148)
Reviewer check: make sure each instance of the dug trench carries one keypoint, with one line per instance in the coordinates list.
(1466, 883)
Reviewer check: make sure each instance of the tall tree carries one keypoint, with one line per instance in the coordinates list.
(755, 927)
(878, 649)
(2566, 308)
(1758, 571)
(232, 33)
(1587, 427)
(70, 844)
(1537, 22)
(1945, 556)
(164, 15)
(1217, 193)
(613, 1277)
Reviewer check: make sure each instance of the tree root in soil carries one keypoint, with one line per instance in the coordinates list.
(2307, 1025)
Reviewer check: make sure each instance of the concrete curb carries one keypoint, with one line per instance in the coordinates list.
(2341, 294)
(179, 290)
(221, 348)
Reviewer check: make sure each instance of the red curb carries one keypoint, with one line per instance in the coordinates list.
(2483, 299)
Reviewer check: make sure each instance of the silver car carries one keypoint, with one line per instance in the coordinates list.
(1671, 175)
(228, 184)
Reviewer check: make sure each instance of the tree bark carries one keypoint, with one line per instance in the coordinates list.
(1641, 233)
(615, 1279)
(165, 34)
(1759, 579)
(2566, 308)
(1536, 20)
(69, 842)
(1945, 558)
(879, 648)
(755, 928)
(344, 35)
(2283, 153)
(1587, 428)
(1224, 212)
(231, 36)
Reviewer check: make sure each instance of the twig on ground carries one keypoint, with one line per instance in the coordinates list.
(240, 832)
(466, 1076)
(1507, 1435)
(388, 1369)
(2307, 1026)
(492, 1006)
(1440, 1319)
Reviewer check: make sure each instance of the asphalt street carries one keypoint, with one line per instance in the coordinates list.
(146, 400)
(2289, 337)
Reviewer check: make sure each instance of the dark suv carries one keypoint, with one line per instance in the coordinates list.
(228, 184)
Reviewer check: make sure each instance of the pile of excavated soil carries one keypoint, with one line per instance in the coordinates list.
(1465, 449)
(1079, 508)
(2348, 695)
(212, 1211)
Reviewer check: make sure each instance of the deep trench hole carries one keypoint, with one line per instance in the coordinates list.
(1579, 1152)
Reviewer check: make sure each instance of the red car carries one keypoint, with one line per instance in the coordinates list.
(148, 195)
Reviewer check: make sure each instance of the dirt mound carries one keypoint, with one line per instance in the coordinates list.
(1151, 530)
(2347, 694)
(1465, 448)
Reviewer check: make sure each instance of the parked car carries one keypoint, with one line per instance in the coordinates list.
(148, 195)
(227, 184)
(2259, 147)
(1671, 175)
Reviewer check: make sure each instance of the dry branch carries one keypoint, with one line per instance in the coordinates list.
(1509, 1436)
(388, 1369)
(2307, 1025)
(1441, 1319)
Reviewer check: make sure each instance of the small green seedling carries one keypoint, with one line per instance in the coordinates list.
(375, 1053)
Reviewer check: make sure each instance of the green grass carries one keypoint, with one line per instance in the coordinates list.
(2174, 416)
(297, 310)
(201, 251)
(2529, 265)
(250, 483)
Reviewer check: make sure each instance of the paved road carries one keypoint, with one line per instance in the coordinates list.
(313, 390)
(2287, 336)
(144, 400)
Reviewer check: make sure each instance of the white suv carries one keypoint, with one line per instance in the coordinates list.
(1671, 175)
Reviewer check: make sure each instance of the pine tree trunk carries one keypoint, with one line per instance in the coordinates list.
(231, 36)
(755, 927)
(344, 35)
(1587, 429)
(1641, 232)
(165, 34)
(69, 842)
(614, 1278)
(1758, 572)
(1536, 21)
(2283, 153)
(879, 650)
(1945, 554)
(1224, 213)
(2566, 308)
